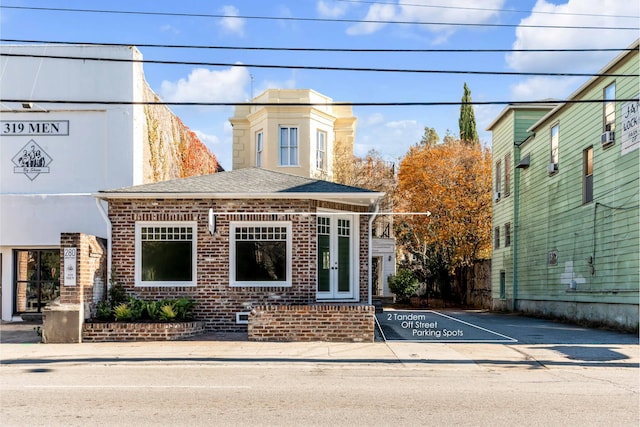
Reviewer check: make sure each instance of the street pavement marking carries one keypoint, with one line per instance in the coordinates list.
(423, 326)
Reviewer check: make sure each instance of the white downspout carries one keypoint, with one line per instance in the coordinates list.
(105, 216)
(369, 284)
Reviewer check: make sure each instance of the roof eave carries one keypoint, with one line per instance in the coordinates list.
(364, 198)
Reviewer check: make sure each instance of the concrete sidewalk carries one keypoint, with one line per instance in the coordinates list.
(234, 348)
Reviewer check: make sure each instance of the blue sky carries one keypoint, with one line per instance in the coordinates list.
(389, 130)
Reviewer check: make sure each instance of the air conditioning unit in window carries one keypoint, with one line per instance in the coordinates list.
(608, 138)
(552, 168)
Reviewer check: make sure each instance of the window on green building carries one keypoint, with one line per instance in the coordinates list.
(610, 107)
(587, 176)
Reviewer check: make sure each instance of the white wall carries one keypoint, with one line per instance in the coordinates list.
(101, 150)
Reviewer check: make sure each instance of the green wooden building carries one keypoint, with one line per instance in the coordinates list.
(566, 236)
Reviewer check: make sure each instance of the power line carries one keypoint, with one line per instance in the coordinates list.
(348, 21)
(311, 104)
(311, 49)
(484, 9)
(311, 67)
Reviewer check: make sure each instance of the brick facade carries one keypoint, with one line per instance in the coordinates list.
(346, 323)
(217, 303)
(120, 331)
(91, 272)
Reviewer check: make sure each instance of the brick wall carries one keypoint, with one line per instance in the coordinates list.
(91, 269)
(119, 331)
(216, 302)
(339, 323)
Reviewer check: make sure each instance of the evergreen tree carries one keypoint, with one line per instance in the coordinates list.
(467, 120)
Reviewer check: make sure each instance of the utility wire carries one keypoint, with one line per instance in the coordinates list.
(311, 104)
(311, 49)
(484, 9)
(349, 21)
(311, 67)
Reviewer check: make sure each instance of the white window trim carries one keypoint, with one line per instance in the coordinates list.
(138, 252)
(288, 165)
(232, 254)
(259, 149)
(319, 132)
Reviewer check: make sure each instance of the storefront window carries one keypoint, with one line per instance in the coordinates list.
(37, 279)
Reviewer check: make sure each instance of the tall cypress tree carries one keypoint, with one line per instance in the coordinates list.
(467, 120)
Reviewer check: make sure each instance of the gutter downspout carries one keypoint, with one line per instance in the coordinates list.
(516, 216)
(105, 216)
(369, 284)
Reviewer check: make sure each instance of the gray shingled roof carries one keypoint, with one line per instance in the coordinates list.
(242, 181)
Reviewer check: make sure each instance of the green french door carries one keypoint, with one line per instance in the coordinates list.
(335, 257)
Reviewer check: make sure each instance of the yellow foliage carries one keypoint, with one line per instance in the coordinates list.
(452, 181)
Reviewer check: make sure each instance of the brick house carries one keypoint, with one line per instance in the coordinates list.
(240, 240)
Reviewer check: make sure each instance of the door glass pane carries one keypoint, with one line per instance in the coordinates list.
(344, 264)
(324, 263)
(37, 274)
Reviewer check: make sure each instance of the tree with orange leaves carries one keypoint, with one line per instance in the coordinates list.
(444, 193)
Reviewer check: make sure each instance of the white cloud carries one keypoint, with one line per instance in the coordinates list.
(574, 13)
(418, 11)
(541, 87)
(231, 24)
(402, 124)
(204, 85)
(377, 12)
(373, 120)
(208, 140)
(329, 9)
(167, 28)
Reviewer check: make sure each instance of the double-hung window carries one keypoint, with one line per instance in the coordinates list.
(259, 148)
(165, 253)
(554, 148)
(260, 254)
(610, 107)
(507, 174)
(587, 175)
(288, 146)
(321, 150)
(498, 170)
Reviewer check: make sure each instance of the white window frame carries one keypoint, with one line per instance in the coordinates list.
(321, 150)
(233, 225)
(554, 145)
(609, 109)
(138, 252)
(288, 147)
(259, 148)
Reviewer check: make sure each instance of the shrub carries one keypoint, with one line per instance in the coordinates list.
(104, 311)
(168, 312)
(184, 308)
(122, 312)
(117, 294)
(152, 309)
(403, 284)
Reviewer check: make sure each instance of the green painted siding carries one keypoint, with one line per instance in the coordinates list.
(597, 243)
(508, 134)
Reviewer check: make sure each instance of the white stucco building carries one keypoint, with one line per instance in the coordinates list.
(53, 156)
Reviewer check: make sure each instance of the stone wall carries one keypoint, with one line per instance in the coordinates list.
(171, 149)
(337, 323)
(120, 331)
